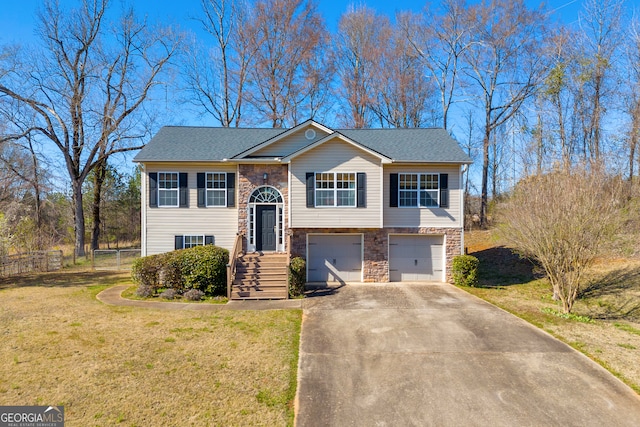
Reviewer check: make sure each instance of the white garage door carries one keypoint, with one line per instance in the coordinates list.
(416, 257)
(334, 258)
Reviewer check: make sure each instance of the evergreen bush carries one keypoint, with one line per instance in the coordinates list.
(297, 276)
(145, 271)
(465, 270)
(203, 268)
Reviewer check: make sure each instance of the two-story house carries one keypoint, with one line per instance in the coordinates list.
(372, 205)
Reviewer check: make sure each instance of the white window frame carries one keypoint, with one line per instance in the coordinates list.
(333, 188)
(212, 190)
(191, 244)
(175, 190)
(419, 191)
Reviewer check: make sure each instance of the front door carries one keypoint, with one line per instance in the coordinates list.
(266, 227)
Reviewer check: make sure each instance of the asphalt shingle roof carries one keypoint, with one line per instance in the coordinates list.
(416, 144)
(189, 144)
(183, 143)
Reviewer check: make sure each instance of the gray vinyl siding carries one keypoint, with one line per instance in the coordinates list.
(290, 144)
(425, 217)
(335, 156)
(162, 224)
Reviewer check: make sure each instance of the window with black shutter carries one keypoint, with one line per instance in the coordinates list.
(444, 190)
(184, 189)
(362, 190)
(153, 190)
(311, 189)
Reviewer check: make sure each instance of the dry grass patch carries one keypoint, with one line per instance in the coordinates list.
(610, 300)
(139, 367)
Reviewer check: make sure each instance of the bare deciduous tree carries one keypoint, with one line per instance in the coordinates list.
(563, 220)
(318, 71)
(216, 77)
(401, 91)
(23, 162)
(598, 42)
(505, 65)
(556, 92)
(87, 87)
(440, 39)
(362, 36)
(632, 105)
(287, 35)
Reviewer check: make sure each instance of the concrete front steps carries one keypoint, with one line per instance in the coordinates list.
(260, 276)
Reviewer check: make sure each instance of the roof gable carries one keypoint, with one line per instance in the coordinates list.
(333, 137)
(288, 141)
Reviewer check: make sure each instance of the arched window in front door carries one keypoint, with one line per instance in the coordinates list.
(265, 195)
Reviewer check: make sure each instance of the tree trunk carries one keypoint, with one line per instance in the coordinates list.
(78, 214)
(494, 168)
(539, 144)
(100, 172)
(485, 175)
(633, 138)
(37, 198)
(632, 155)
(38, 211)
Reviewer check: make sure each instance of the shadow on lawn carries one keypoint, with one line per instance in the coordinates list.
(614, 295)
(66, 278)
(499, 266)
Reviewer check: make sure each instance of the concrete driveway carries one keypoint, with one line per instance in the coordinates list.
(433, 355)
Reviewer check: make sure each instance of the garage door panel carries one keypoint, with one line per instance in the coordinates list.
(417, 258)
(334, 258)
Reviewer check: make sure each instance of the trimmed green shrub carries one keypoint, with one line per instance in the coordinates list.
(203, 268)
(465, 270)
(297, 276)
(170, 275)
(146, 271)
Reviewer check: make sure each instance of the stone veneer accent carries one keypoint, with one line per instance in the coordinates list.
(376, 258)
(250, 177)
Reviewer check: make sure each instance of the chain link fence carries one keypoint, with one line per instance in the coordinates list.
(114, 259)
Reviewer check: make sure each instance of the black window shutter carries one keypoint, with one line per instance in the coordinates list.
(202, 191)
(361, 190)
(209, 240)
(231, 189)
(393, 190)
(311, 190)
(184, 189)
(153, 189)
(179, 242)
(444, 190)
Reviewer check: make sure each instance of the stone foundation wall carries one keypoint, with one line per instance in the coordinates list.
(376, 248)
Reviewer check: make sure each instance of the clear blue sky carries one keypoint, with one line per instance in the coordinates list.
(17, 16)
